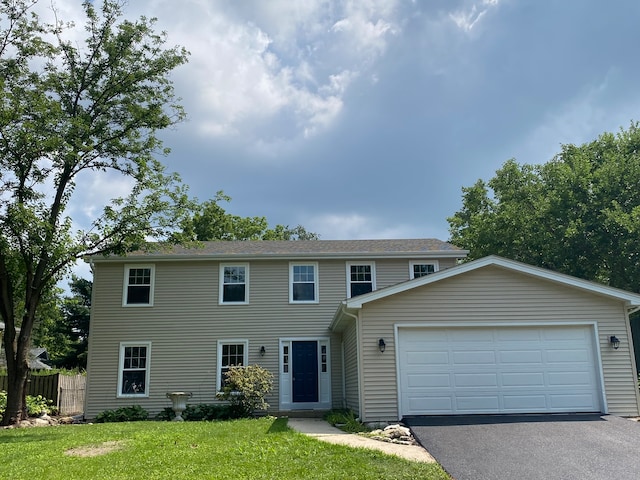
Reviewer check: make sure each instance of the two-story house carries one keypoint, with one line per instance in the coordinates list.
(387, 328)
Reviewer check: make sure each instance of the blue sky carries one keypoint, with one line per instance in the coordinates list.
(364, 119)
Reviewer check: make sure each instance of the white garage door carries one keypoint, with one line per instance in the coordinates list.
(498, 370)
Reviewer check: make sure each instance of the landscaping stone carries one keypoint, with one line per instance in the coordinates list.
(393, 434)
(46, 421)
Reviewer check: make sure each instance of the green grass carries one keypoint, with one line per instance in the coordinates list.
(242, 449)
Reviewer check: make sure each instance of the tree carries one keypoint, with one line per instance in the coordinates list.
(65, 331)
(578, 214)
(211, 222)
(69, 111)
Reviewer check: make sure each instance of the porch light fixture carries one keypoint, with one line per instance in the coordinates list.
(615, 342)
(262, 351)
(381, 345)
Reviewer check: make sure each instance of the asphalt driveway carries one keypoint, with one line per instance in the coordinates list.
(510, 447)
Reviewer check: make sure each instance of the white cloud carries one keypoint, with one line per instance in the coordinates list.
(468, 17)
(253, 62)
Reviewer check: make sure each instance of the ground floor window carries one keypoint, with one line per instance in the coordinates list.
(133, 372)
(231, 353)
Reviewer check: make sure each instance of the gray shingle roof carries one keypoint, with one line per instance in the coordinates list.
(307, 248)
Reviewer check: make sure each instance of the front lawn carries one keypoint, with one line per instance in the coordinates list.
(241, 449)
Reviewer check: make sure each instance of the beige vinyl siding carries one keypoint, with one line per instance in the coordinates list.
(492, 295)
(351, 378)
(186, 321)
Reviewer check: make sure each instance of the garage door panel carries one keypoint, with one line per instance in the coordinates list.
(523, 379)
(517, 357)
(575, 379)
(568, 356)
(427, 358)
(521, 370)
(560, 401)
(429, 380)
(437, 404)
(530, 403)
(474, 357)
(523, 334)
(462, 380)
(486, 403)
(474, 336)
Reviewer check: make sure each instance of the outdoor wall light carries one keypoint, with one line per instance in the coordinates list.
(381, 345)
(615, 343)
(262, 351)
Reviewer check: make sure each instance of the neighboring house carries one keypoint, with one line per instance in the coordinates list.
(388, 328)
(37, 355)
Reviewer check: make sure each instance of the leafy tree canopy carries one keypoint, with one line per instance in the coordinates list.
(71, 110)
(211, 222)
(578, 214)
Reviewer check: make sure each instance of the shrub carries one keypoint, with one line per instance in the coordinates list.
(345, 420)
(133, 413)
(39, 405)
(246, 388)
(200, 412)
(36, 406)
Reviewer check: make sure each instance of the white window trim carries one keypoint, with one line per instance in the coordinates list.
(221, 282)
(234, 341)
(123, 345)
(315, 282)
(435, 263)
(373, 275)
(125, 284)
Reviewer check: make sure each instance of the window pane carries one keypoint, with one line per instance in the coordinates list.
(422, 270)
(303, 292)
(303, 273)
(360, 288)
(138, 294)
(360, 273)
(234, 275)
(133, 382)
(233, 293)
(139, 276)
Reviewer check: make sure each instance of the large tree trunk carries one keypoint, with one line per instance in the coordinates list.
(16, 393)
(17, 354)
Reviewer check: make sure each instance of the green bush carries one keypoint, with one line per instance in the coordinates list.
(345, 420)
(200, 412)
(246, 388)
(39, 405)
(36, 406)
(133, 413)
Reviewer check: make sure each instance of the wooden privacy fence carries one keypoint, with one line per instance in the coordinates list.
(66, 392)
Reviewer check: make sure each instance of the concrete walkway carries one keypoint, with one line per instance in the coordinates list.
(320, 429)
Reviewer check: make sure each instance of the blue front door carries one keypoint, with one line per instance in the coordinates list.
(304, 360)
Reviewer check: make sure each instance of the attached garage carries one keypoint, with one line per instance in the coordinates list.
(491, 336)
(469, 370)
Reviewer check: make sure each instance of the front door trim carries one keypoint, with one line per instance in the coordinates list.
(285, 379)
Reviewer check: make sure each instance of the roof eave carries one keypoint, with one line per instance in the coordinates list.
(264, 256)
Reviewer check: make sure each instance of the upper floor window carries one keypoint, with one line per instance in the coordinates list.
(133, 371)
(138, 282)
(303, 282)
(420, 269)
(361, 278)
(234, 283)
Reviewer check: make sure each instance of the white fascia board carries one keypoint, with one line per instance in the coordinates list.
(632, 299)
